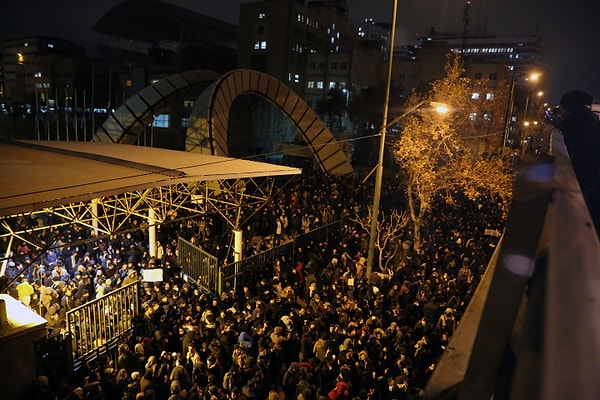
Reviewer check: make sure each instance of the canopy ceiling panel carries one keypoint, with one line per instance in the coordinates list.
(36, 175)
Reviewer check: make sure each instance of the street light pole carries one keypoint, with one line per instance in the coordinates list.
(379, 171)
(509, 110)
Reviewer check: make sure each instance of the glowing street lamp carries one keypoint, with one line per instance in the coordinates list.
(534, 77)
(440, 108)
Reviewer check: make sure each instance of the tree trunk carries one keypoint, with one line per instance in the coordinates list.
(416, 217)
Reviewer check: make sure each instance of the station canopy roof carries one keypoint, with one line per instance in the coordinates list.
(36, 175)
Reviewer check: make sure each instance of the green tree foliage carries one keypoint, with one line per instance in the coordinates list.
(442, 154)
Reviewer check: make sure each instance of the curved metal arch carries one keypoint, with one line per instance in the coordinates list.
(127, 122)
(208, 128)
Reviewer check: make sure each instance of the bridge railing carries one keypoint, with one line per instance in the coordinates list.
(531, 330)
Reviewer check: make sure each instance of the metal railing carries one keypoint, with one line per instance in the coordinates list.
(98, 326)
(238, 273)
(198, 265)
(531, 330)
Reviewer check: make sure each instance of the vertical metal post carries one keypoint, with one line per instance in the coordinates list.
(379, 171)
(67, 112)
(509, 110)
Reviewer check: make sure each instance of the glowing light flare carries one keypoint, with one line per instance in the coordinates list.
(440, 108)
(535, 76)
(518, 264)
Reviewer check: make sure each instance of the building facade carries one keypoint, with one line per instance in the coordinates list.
(49, 87)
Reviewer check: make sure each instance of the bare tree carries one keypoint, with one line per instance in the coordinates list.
(390, 229)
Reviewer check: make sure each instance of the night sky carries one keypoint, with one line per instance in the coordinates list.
(570, 28)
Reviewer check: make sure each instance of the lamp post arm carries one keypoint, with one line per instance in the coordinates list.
(404, 114)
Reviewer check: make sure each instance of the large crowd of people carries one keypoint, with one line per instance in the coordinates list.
(311, 326)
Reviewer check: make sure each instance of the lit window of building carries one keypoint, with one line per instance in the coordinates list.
(262, 14)
(260, 45)
(310, 84)
(128, 83)
(320, 85)
(473, 116)
(475, 96)
(331, 85)
(161, 121)
(489, 96)
(296, 78)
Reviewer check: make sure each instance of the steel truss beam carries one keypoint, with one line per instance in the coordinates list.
(108, 215)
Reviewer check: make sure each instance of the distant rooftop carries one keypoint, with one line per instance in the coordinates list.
(155, 20)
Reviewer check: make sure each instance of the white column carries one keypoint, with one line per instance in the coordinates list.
(95, 214)
(151, 232)
(238, 243)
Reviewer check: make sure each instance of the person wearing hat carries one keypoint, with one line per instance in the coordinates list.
(581, 131)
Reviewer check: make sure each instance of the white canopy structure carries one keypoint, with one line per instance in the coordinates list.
(45, 185)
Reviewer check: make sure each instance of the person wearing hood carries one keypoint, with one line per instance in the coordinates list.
(339, 392)
(11, 270)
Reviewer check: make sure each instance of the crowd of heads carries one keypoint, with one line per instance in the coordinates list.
(311, 325)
